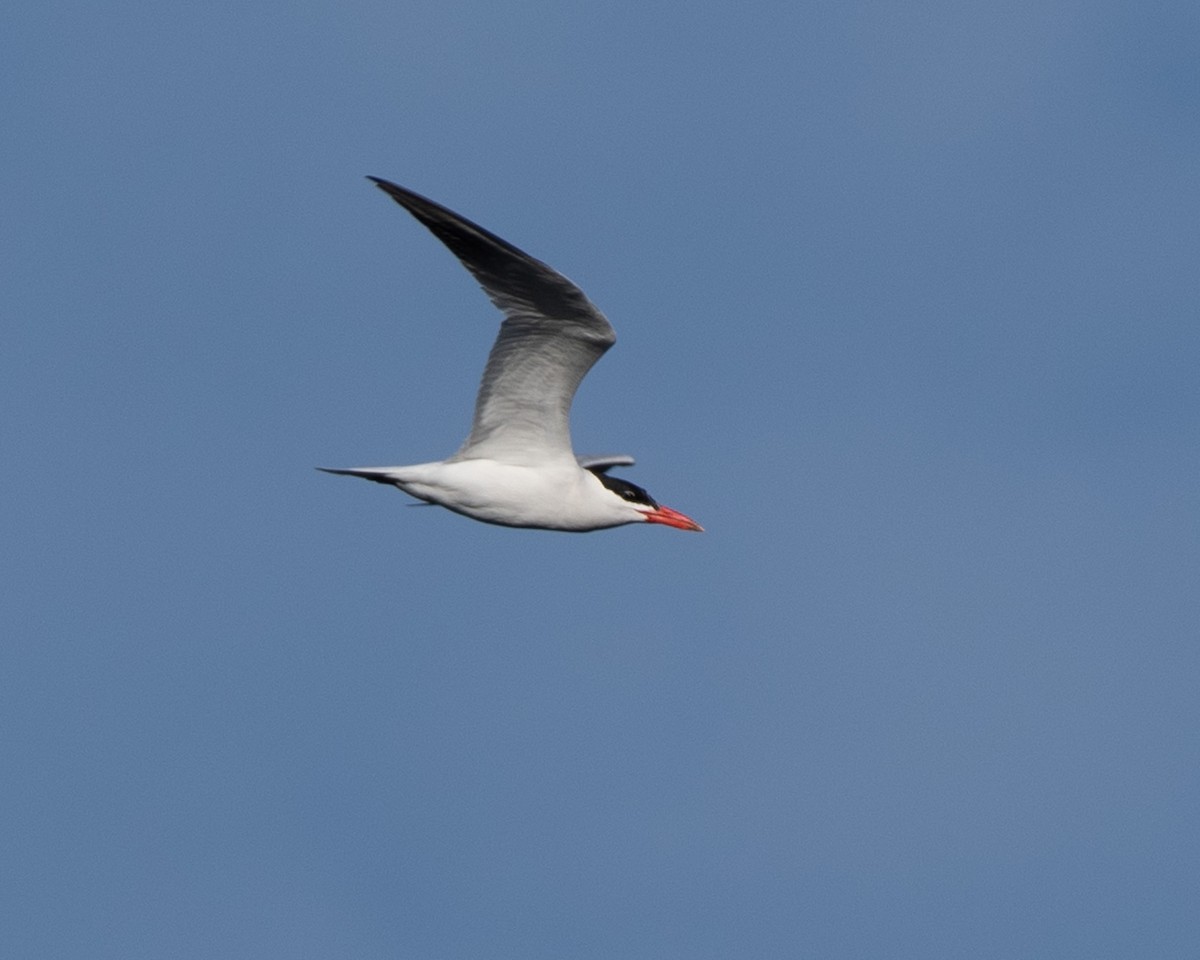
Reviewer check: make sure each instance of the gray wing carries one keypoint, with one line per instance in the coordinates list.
(550, 338)
(601, 463)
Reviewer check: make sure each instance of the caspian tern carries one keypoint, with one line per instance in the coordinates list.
(517, 468)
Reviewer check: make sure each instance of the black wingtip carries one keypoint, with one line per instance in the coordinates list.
(393, 190)
(419, 206)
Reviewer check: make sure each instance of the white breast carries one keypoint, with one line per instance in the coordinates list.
(558, 497)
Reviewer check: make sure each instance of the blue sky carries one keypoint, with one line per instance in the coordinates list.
(906, 297)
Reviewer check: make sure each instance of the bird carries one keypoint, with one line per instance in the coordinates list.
(517, 467)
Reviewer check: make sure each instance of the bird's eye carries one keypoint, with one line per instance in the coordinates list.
(629, 492)
(635, 494)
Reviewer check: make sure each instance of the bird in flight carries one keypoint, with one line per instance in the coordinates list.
(517, 468)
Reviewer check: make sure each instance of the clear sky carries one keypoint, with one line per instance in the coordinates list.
(907, 303)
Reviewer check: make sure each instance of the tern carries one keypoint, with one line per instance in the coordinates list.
(517, 467)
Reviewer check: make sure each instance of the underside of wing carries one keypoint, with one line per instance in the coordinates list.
(551, 336)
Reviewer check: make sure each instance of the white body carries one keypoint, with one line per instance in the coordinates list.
(559, 496)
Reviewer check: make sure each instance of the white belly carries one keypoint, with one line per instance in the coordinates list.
(557, 497)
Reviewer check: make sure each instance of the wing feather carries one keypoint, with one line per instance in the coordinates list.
(550, 338)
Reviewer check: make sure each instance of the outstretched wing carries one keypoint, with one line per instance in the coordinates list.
(550, 338)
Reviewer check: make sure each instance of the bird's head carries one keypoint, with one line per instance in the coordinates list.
(650, 511)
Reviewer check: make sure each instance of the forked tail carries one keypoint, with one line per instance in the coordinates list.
(378, 474)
